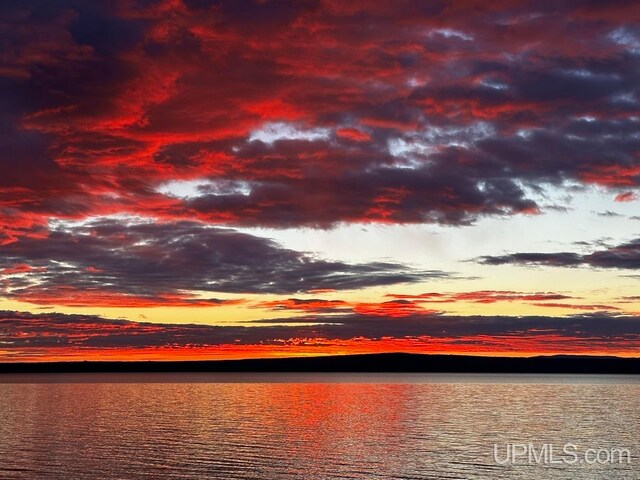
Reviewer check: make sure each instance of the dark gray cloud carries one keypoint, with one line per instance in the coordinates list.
(624, 256)
(585, 326)
(609, 214)
(162, 260)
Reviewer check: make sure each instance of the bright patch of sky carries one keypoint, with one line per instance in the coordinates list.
(434, 138)
(625, 37)
(271, 132)
(196, 188)
(450, 33)
(68, 225)
(567, 218)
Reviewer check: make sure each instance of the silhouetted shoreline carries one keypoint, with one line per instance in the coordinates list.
(385, 362)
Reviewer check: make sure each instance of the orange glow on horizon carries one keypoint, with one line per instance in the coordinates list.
(494, 347)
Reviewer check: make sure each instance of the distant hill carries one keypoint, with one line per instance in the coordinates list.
(383, 362)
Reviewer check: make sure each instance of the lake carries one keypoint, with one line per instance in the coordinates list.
(319, 426)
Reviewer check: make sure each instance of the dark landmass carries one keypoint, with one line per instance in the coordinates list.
(383, 362)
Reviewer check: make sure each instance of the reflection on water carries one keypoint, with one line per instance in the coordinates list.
(183, 426)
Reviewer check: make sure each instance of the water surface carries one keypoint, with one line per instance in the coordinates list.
(286, 426)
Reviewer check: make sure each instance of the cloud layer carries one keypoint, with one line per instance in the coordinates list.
(119, 263)
(29, 336)
(292, 113)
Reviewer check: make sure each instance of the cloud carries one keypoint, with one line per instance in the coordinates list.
(29, 336)
(34, 41)
(626, 197)
(442, 112)
(406, 305)
(609, 214)
(311, 305)
(624, 256)
(391, 309)
(631, 298)
(482, 296)
(131, 263)
(573, 306)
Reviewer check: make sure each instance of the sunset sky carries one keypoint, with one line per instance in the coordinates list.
(191, 179)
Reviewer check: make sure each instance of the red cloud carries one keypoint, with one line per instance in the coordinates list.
(392, 309)
(18, 268)
(448, 109)
(303, 305)
(94, 297)
(353, 134)
(626, 197)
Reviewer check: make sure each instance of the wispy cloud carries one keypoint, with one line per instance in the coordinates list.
(624, 256)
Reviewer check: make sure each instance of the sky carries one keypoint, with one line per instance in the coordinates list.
(201, 179)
